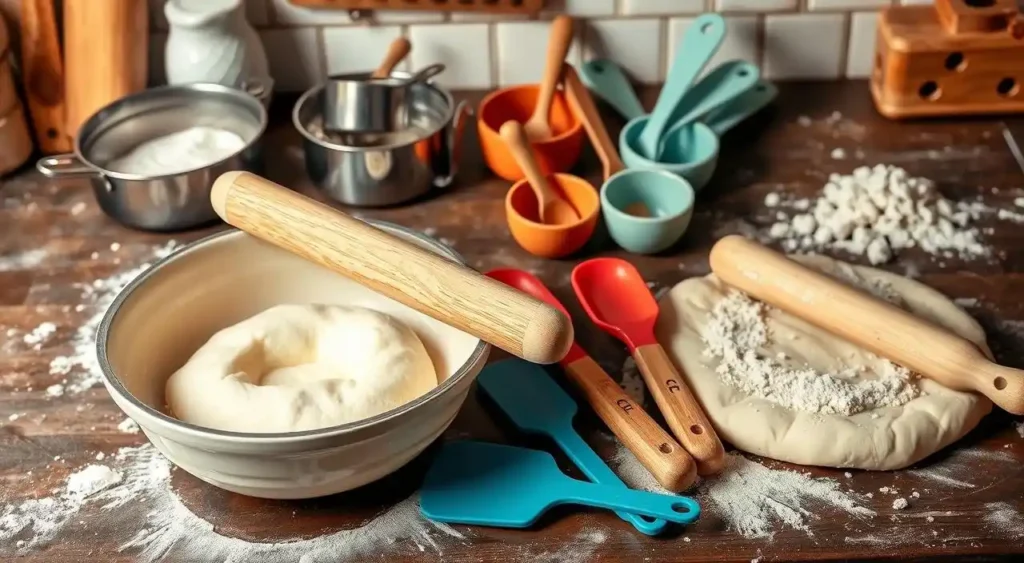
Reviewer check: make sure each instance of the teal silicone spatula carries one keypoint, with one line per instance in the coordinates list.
(536, 404)
(505, 486)
(700, 42)
(606, 79)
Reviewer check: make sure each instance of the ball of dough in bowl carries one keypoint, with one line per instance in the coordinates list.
(301, 367)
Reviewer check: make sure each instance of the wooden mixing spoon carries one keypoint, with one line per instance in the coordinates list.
(537, 126)
(583, 104)
(551, 208)
(397, 51)
(418, 278)
(876, 325)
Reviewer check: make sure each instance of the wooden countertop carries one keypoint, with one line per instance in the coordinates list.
(54, 242)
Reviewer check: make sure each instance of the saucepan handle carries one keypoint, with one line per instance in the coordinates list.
(66, 164)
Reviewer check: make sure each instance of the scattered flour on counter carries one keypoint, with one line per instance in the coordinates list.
(23, 261)
(1020, 429)
(1005, 518)
(37, 521)
(128, 426)
(82, 367)
(632, 382)
(158, 526)
(960, 465)
(900, 504)
(876, 212)
(736, 330)
(40, 334)
(752, 499)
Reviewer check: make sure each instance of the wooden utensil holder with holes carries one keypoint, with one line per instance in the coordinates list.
(958, 57)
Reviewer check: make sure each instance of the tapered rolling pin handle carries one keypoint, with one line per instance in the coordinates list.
(427, 282)
(876, 325)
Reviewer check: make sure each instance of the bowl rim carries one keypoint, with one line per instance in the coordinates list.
(196, 431)
(489, 99)
(609, 208)
(583, 220)
(677, 167)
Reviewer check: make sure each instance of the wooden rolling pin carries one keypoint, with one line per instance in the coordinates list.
(451, 293)
(876, 325)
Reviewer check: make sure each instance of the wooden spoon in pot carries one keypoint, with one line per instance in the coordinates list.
(551, 208)
(862, 319)
(537, 127)
(397, 51)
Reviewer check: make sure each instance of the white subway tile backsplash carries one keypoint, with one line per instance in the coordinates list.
(755, 5)
(861, 54)
(464, 48)
(633, 44)
(294, 57)
(588, 8)
(836, 5)
(803, 46)
(286, 13)
(521, 50)
(407, 16)
(742, 40)
(661, 7)
(486, 17)
(358, 48)
(915, 2)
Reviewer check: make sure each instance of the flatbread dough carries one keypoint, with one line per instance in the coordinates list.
(301, 367)
(880, 439)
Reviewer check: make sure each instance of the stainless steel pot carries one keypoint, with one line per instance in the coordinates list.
(169, 202)
(372, 170)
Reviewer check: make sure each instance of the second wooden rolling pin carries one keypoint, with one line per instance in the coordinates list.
(451, 293)
(876, 325)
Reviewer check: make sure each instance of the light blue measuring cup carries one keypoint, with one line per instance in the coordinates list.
(721, 87)
(700, 42)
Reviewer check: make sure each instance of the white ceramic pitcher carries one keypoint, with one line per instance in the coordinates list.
(211, 41)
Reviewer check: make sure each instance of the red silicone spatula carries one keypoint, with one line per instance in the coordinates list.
(656, 450)
(616, 298)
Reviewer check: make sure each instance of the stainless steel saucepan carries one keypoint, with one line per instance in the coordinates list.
(167, 202)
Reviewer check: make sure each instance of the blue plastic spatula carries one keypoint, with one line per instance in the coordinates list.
(536, 404)
(505, 486)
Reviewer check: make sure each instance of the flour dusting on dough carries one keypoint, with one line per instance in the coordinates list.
(737, 331)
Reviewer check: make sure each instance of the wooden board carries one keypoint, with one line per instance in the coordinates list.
(786, 149)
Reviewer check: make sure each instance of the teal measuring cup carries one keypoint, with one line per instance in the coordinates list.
(700, 42)
(605, 79)
(691, 150)
(718, 89)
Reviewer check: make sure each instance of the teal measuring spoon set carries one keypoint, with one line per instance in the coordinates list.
(489, 484)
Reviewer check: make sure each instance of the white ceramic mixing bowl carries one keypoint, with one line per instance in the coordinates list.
(168, 312)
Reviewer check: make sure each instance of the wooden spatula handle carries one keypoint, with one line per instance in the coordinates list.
(559, 40)
(42, 73)
(657, 451)
(680, 408)
(451, 293)
(583, 104)
(397, 51)
(874, 324)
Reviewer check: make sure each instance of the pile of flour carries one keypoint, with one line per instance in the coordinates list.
(736, 333)
(876, 212)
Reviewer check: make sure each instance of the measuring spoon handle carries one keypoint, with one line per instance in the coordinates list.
(680, 408)
(597, 471)
(397, 50)
(406, 272)
(681, 510)
(607, 80)
(698, 45)
(732, 114)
